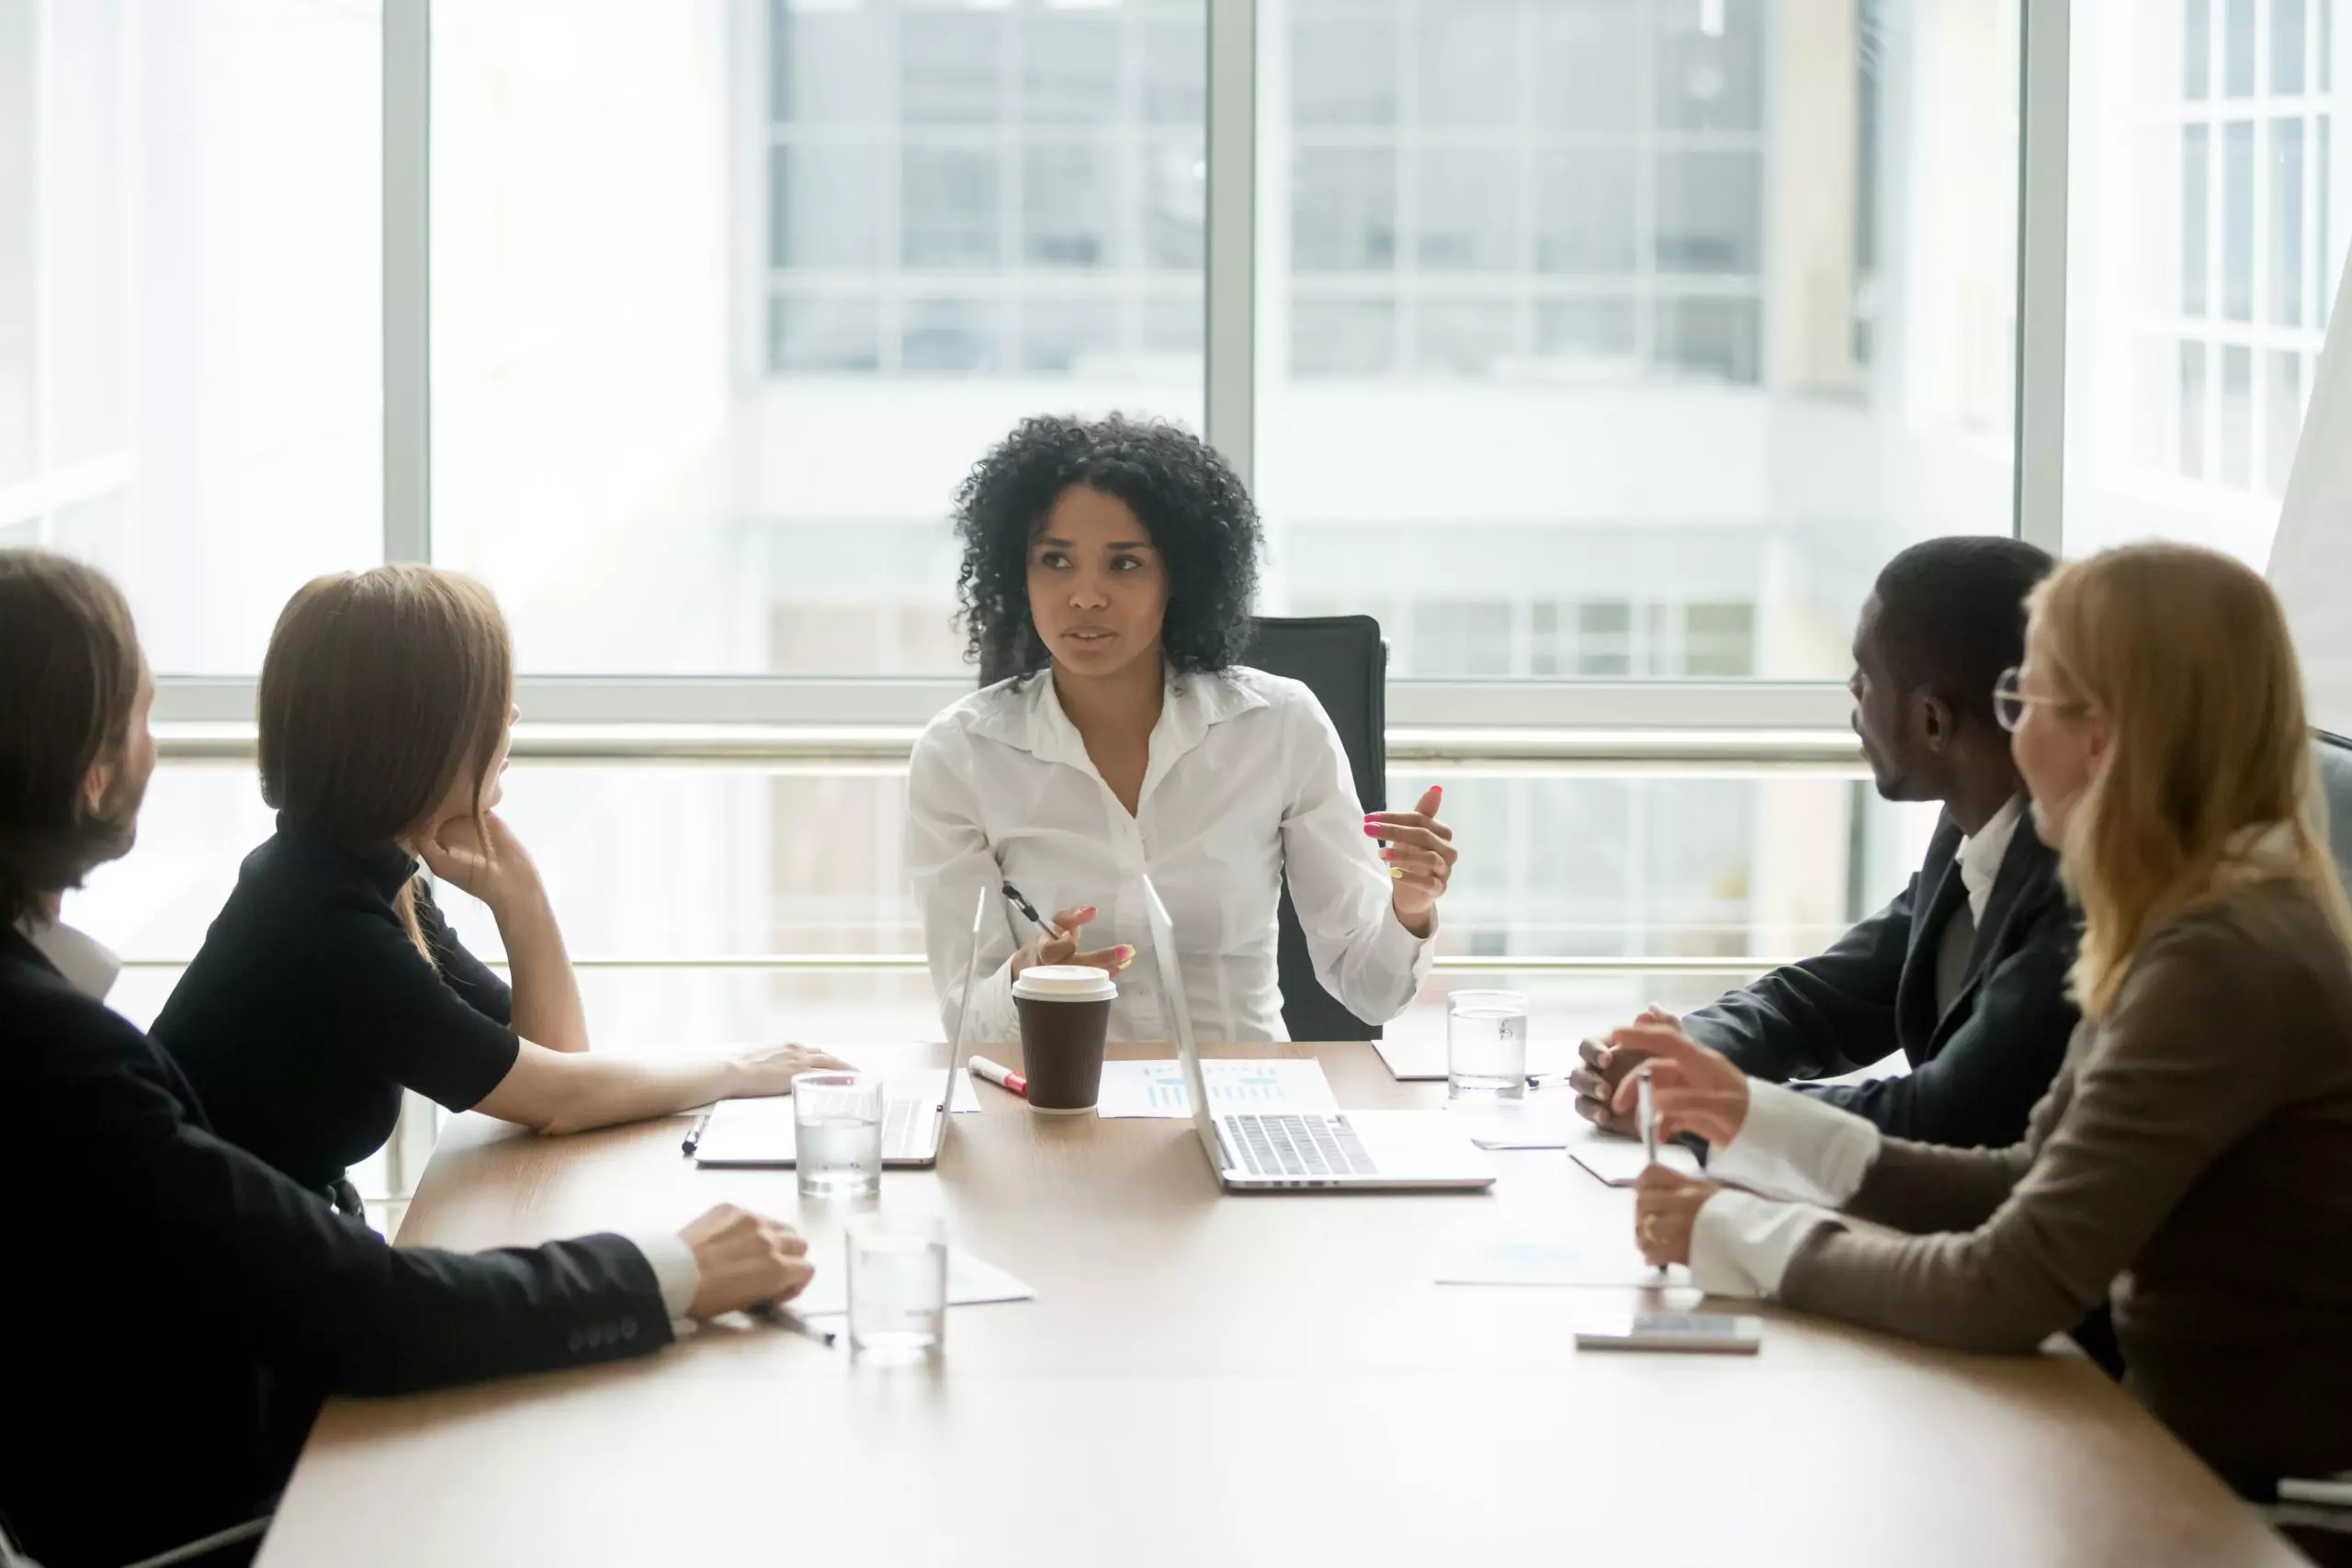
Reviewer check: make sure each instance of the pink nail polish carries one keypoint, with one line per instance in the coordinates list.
(1371, 829)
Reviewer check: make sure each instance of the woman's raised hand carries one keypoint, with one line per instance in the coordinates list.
(1420, 856)
(1061, 946)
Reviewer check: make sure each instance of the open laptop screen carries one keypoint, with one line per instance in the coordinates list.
(1180, 1022)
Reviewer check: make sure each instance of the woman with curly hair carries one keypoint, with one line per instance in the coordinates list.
(1110, 567)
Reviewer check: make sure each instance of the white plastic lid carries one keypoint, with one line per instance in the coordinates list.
(1064, 983)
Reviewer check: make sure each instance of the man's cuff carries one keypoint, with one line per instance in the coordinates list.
(1798, 1147)
(1741, 1244)
(675, 1268)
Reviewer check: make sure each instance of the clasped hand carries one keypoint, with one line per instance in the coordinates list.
(1693, 1090)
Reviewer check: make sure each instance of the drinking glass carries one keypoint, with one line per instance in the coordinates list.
(1486, 1045)
(837, 1134)
(898, 1286)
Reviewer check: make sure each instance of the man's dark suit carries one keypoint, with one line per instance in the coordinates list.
(1977, 1070)
(172, 1309)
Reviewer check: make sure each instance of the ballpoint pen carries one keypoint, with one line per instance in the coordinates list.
(775, 1313)
(1647, 1113)
(1029, 909)
(694, 1133)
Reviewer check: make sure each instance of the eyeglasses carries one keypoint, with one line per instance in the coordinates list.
(2010, 699)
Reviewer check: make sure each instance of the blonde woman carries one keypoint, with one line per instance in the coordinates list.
(330, 982)
(2194, 1158)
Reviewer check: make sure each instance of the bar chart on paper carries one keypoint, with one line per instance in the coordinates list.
(1157, 1089)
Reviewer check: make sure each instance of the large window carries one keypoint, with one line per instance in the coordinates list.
(2210, 216)
(1588, 342)
(727, 299)
(191, 307)
(1624, 340)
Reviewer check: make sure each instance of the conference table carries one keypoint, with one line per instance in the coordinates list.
(1212, 1379)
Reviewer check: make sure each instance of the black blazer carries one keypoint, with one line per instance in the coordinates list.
(1977, 1070)
(172, 1310)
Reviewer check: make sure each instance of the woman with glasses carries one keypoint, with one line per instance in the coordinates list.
(2193, 1160)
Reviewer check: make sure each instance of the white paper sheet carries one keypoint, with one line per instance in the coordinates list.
(761, 1132)
(970, 1282)
(1423, 1061)
(1621, 1163)
(1157, 1089)
(1531, 1261)
(1547, 1119)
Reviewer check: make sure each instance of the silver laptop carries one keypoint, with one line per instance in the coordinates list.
(1308, 1151)
(739, 1133)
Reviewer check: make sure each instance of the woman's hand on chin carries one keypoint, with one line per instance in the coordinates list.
(495, 869)
(1419, 857)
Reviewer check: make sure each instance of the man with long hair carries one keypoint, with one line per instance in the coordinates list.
(174, 1310)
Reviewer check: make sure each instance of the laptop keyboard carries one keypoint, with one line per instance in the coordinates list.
(900, 1113)
(1299, 1145)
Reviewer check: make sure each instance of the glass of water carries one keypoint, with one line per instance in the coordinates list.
(837, 1134)
(898, 1286)
(1486, 1045)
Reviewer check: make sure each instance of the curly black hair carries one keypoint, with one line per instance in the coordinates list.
(1201, 520)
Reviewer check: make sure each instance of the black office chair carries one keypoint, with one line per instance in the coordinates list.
(1344, 661)
(14, 1556)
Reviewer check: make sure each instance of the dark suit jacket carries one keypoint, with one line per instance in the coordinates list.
(1977, 1070)
(172, 1309)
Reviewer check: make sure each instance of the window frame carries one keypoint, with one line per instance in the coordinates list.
(620, 717)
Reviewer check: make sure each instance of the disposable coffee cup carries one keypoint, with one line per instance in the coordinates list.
(1065, 1012)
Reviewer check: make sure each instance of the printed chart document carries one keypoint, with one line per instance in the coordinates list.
(1157, 1089)
(970, 1282)
(1544, 1261)
(1621, 1163)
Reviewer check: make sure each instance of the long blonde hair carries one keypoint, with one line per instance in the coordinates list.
(380, 690)
(2208, 781)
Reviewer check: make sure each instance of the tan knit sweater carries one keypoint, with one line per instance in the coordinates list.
(2193, 1159)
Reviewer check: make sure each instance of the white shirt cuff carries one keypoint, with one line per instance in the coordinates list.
(1402, 952)
(673, 1266)
(1798, 1147)
(1741, 1244)
(995, 1018)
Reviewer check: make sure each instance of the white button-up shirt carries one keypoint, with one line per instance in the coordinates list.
(1246, 778)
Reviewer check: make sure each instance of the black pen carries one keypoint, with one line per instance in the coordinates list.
(775, 1313)
(1029, 909)
(694, 1133)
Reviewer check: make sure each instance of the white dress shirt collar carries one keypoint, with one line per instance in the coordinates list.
(1035, 723)
(1982, 852)
(86, 964)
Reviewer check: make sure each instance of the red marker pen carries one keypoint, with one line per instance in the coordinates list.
(1003, 1077)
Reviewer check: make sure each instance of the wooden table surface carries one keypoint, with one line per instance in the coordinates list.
(1212, 1379)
